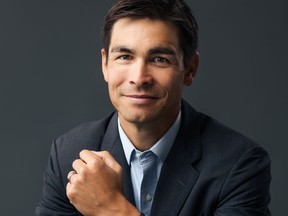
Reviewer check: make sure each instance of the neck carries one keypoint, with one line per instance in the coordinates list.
(144, 136)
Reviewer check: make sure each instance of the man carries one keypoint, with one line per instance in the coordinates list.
(155, 155)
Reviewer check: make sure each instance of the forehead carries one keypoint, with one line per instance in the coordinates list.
(144, 33)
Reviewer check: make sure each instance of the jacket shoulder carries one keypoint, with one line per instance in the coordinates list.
(88, 135)
(223, 137)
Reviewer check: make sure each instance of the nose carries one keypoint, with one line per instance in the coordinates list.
(139, 74)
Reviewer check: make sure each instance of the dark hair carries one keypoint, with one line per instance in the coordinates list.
(176, 12)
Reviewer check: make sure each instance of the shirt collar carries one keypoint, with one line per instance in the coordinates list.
(161, 148)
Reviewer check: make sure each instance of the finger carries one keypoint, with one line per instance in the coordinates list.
(87, 156)
(78, 165)
(70, 190)
(92, 160)
(69, 175)
(108, 159)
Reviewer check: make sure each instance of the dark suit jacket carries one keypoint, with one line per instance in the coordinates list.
(210, 170)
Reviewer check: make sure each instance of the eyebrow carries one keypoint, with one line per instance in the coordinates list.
(153, 51)
(122, 49)
(162, 50)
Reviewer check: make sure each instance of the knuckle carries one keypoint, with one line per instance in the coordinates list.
(106, 153)
(71, 193)
(82, 152)
(74, 163)
(82, 173)
(95, 162)
(119, 169)
(77, 181)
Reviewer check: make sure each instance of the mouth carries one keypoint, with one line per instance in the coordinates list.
(141, 98)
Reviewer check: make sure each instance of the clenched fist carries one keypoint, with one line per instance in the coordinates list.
(96, 187)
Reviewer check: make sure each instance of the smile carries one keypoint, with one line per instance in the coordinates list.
(141, 96)
(141, 99)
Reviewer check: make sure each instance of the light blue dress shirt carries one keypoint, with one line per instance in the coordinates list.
(133, 156)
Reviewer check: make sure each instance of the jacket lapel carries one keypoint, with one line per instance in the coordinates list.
(178, 174)
(112, 143)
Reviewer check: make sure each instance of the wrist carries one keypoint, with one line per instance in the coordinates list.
(128, 209)
(120, 206)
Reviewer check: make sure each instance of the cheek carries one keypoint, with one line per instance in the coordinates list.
(115, 81)
(114, 76)
(171, 82)
(175, 88)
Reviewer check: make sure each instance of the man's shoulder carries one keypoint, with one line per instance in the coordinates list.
(216, 136)
(223, 136)
(219, 147)
(229, 146)
(86, 135)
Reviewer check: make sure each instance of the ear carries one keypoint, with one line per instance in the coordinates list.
(191, 69)
(104, 63)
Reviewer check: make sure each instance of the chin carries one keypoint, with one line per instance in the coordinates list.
(138, 118)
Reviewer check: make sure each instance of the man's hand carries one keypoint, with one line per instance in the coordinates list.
(96, 188)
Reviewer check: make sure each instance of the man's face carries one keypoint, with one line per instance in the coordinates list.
(145, 72)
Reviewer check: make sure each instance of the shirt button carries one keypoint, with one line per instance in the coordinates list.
(148, 198)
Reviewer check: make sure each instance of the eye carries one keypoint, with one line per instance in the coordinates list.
(125, 57)
(160, 60)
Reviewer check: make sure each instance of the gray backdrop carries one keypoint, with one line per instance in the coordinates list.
(51, 81)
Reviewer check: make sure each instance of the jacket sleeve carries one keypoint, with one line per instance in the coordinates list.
(246, 188)
(54, 201)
